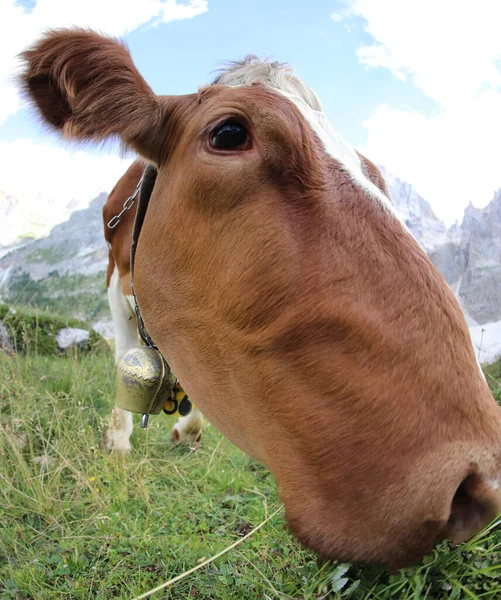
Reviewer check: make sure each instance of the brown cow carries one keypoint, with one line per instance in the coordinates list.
(297, 310)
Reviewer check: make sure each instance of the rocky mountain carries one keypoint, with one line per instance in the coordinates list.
(75, 246)
(471, 263)
(468, 255)
(417, 214)
(20, 224)
(64, 271)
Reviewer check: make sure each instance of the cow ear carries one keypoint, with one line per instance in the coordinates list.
(86, 87)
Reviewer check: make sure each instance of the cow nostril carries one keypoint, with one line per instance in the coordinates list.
(475, 503)
(464, 508)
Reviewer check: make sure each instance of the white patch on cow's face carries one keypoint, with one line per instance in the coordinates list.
(281, 79)
(340, 150)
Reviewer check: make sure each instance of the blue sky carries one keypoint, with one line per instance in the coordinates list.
(177, 57)
(414, 84)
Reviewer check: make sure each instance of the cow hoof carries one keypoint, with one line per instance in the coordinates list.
(186, 438)
(116, 443)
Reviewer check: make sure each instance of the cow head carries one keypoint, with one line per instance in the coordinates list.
(294, 306)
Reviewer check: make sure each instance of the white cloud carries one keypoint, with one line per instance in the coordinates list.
(19, 28)
(452, 51)
(172, 11)
(47, 183)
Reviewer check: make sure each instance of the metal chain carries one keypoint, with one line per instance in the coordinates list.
(128, 204)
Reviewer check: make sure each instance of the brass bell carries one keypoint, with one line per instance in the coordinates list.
(144, 382)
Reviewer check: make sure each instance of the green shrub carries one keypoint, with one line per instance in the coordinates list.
(493, 375)
(34, 331)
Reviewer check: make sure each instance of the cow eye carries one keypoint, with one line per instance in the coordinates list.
(230, 135)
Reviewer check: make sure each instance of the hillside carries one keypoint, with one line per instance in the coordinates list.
(64, 271)
(19, 224)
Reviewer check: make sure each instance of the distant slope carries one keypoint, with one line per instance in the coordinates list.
(19, 223)
(63, 272)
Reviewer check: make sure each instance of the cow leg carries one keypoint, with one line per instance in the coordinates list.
(119, 431)
(188, 430)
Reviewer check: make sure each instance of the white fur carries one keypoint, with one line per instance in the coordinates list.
(132, 303)
(281, 78)
(122, 312)
(187, 430)
(126, 337)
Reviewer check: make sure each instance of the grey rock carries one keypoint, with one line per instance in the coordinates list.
(468, 254)
(105, 328)
(445, 259)
(70, 337)
(5, 342)
(478, 259)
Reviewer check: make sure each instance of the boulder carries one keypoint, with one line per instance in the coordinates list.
(71, 337)
(5, 342)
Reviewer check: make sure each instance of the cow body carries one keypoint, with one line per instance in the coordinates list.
(298, 312)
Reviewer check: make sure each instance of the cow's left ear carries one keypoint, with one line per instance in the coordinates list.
(86, 86)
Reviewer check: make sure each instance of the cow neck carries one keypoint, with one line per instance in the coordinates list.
(142, 194)
(145, 187)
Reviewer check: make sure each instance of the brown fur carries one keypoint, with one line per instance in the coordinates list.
(120, 238)
(65, 79)
(301, 317)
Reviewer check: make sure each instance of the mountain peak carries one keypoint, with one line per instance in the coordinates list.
(416, 213)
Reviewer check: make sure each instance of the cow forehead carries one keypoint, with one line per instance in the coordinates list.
(260, 104)
(257, 92)
(281, 79)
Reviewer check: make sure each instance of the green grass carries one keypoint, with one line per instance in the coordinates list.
(76, 523)
(493, 375)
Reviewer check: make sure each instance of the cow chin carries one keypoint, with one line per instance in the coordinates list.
(398, 516)
(382, 552)
(339, 537)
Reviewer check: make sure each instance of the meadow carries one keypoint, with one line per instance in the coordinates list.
(78, 523)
